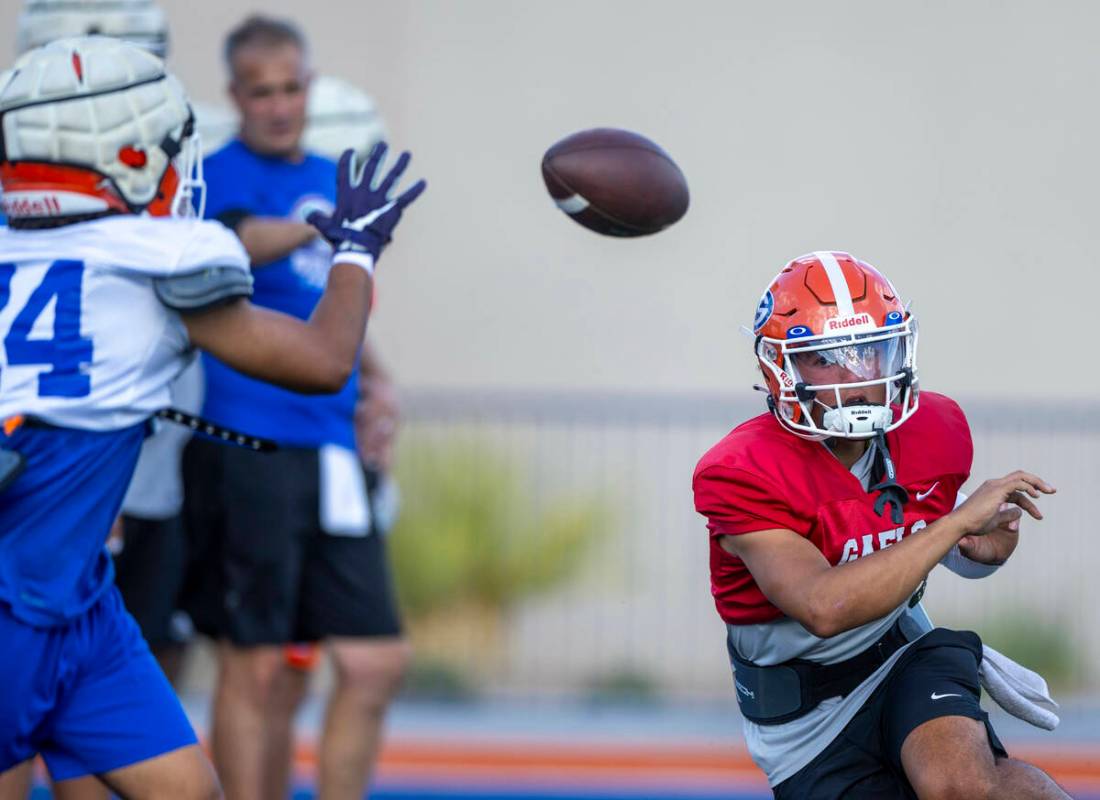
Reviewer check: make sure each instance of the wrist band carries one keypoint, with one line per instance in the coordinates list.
(363, 260)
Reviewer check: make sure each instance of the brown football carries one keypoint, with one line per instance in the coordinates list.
(615, 182)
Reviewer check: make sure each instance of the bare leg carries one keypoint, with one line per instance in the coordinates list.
(1026, 780)
(171, 658)
(243, 724)
(368, 674)
(290, 688)
(183, 774)
(15, 783)
(86, 788)
(950, 757)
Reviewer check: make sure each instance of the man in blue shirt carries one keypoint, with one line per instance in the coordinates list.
(285, 548)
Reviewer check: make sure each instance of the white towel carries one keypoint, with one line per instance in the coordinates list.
(344, 507)
(1018, 690)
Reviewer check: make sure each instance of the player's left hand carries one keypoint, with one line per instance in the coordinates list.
(365, 214)
(995, 546)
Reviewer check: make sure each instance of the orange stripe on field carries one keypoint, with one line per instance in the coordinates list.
(421, 753)
(404, 758)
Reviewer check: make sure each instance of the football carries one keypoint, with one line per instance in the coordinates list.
(615, 182)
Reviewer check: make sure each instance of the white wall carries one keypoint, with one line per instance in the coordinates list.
(952, 144)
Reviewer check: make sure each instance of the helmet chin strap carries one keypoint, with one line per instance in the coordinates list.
(185, 153)
(890, 492)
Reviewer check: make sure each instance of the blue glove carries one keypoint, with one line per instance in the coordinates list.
(365, 214)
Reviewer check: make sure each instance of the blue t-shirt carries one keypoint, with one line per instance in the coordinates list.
(239, 180)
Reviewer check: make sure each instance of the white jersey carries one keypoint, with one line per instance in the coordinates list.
(156, 490)
(84, 341)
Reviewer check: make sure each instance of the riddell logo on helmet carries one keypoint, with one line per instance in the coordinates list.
(847, 323)
(41, 206)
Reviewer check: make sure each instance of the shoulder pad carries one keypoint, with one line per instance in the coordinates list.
(207, 288)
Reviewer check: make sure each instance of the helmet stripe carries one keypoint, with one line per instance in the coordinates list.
(839, 285)
(44, 101)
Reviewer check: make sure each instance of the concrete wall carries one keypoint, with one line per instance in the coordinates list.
(641, 603)
(952, 144)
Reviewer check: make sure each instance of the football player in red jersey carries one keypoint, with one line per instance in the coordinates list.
(846, 688)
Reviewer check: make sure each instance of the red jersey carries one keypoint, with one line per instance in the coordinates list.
(762, 477)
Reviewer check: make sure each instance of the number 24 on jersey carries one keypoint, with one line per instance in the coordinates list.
(66, 352)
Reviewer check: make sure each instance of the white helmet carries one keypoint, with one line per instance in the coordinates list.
(95, 125)
(340, 115)
(139, 22)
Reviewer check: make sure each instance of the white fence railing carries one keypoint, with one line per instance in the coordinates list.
(641, 605)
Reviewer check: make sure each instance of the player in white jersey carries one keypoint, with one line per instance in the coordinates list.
(147, 541)
(140, 22)
(103, 296)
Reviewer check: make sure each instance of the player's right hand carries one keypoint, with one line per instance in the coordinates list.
(1001, 502)
(376, 417)
(365, 214)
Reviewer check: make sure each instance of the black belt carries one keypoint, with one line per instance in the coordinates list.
(784, 692)
(217, 432)
(13, 463)
(197, 425)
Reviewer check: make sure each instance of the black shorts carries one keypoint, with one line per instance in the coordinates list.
(260, 569)
(149, 571)
(936, 677)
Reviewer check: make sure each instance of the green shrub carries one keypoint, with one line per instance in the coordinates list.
(471, 533)
(1035, 643)
(625, 685)
(438, 681)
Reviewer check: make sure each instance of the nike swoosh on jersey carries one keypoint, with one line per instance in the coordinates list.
(932, 488)
(941, 696)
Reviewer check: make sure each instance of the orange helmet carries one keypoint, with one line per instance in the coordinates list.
(830, 322)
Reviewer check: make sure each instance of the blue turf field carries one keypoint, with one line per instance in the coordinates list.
(412, 793)
(562, 751)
